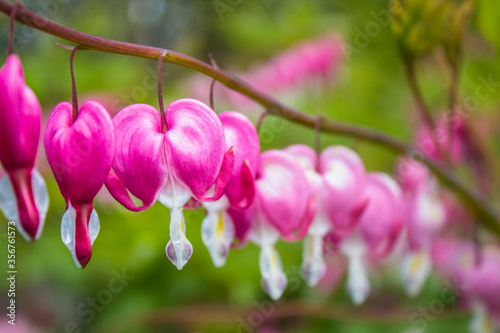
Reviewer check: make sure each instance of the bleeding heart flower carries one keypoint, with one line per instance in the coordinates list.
(376, 232)
(283, 206)
(80, 153)
(433, 144)
(425, 217)
(217, 228)
(344, 176)
(23, 194)
(338, 187)
(188, 160)
(474, 273)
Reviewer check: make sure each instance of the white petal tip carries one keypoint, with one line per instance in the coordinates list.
(217, 231)
(415, 268)
(313, 265)
(274, 280)
(179, 255)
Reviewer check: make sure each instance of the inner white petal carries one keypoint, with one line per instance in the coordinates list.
(430, 210)
(8, 205)
(416, 267)
(217, 231)
(94, 226)
(263, 233)
(41, 197)
(8, 202)
(174, 196)
(217, 205)
(358, 284)
(313, 264)
(274, 279)
(178, 249)
(68, 227)
(481, 322)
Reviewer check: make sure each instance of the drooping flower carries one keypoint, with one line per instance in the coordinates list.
(474, 273)
(188, 160)
(283, 206)
(217, 227)
(424, 216)
(80, 153)
(337, 184)
(23, 194)
(434, 143)
(376, 231)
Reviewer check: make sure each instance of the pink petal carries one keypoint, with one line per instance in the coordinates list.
(83, 244)
(247, 187)
(28, 212)
(343, 182)
(19, 117)
(140, 163)
(196, 146)
(241, 133)
(307, 219)
(80, 153)
(305, 155)
(20, 114)
(223, 178)
(381, 220)
(116, 188)
(283, 191)
(243, 221)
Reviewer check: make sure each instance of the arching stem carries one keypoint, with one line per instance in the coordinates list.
(160, 92)
(74, 96)
(10, 43)
(212, 85)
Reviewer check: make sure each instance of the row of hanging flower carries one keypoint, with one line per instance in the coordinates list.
(194, 157)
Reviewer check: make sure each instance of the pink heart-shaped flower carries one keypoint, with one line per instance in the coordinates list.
(217, 228)
(188, 160)
(80, 154)
(23, 195)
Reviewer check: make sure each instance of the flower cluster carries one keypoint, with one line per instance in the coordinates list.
(188, 157)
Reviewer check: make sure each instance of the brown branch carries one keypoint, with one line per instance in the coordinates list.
(489, 216)
(235, 315)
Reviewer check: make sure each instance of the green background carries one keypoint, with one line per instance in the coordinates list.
(370, 89)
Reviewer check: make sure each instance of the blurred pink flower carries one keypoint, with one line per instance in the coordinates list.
(217, 228)
(23, 194)
(337, 180)
(377, 230)
(475, 273)
(283, 206)
(309, 63)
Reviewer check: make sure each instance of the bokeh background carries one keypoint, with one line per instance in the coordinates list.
(368, 88)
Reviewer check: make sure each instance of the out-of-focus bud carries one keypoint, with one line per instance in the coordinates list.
(418, 25)
(454, 32)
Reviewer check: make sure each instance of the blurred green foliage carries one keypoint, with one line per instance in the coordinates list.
(369, 90)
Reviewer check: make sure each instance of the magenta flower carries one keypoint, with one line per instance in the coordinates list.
(378, 227)
(23, 194)
(474, 273)
(283, 206)
(344, 176)
(217, 228)
(80, 153)
(432, 144)
(338, 188)
(425, 217)
(188, 160)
